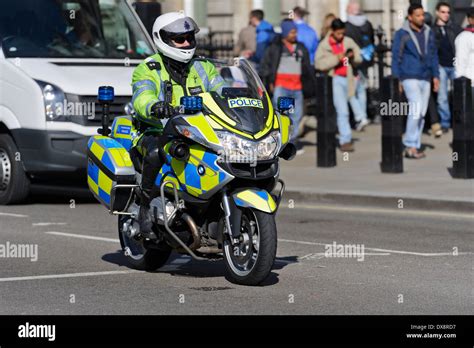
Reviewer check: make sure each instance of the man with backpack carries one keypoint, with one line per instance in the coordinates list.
(415, 64)
(359, 29)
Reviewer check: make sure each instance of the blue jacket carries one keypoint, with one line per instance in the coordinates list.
(265, 35)
(308, 37)
(409, 60)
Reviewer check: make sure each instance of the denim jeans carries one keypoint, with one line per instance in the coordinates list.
(340, 101)
(359, 101)
(445, 75)
(297, 114)
(418, 95)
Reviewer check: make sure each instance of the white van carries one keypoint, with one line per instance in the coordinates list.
(54, 55)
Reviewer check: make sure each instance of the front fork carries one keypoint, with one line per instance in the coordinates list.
(232, 218)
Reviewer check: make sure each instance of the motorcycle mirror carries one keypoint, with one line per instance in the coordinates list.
(285, 104)
(289, 152)
(191, 104)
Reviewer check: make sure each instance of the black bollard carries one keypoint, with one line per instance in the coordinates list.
(327, 124)
(463, 129)
(392, 127)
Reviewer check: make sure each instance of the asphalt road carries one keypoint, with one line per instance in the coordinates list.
(409, 265)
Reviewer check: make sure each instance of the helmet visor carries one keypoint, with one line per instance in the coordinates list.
(180, 32)
(181, 26)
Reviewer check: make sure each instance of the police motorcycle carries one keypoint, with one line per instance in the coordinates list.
(219, 189)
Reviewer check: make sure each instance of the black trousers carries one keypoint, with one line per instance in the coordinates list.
(152, 158)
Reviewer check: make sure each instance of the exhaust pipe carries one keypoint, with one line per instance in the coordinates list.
(194, 231)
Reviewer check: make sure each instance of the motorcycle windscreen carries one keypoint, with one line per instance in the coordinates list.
(250, 114)
(241, 98)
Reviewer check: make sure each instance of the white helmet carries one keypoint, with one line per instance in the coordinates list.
(172, 26)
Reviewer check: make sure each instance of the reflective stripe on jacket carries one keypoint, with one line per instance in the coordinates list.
(148, 84)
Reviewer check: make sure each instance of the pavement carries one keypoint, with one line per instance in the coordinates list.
(357, 178)
(413, 262)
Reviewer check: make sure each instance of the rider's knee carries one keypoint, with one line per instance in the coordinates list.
(153, 157)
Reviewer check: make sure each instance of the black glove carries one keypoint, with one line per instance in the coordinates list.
(162, 110)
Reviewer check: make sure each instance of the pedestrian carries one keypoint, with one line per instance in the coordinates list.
(445, 33)
(415, 64)
(338, 55)
(359, 29)
(464, 44)
(264, 34)
(432, 113)
(306, 35)
(247, 42)
(286, 69)
(327, 24)
(309, 38)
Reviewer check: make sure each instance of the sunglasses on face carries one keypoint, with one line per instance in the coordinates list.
(183, 38)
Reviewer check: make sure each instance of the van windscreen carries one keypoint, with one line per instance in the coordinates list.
(71, 29)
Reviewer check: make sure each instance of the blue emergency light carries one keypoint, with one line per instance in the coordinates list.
(191, 104)
(106, 94)
(285, 103)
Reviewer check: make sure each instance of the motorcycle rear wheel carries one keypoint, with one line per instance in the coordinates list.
(257, 249)
(138, 255)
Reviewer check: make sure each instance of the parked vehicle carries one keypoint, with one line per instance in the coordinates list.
(54, 54)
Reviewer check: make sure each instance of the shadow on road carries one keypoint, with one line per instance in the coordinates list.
(43, 194)
(183, 266)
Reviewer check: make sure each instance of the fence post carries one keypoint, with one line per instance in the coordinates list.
(392, 127)
(327, 126)
(463, 129)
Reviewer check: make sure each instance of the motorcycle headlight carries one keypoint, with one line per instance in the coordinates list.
(237, 149)
(269, 147)
(53, 98)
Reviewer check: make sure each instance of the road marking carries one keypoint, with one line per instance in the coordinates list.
(323, 255)
(49, 224)
(14, 215)
(378, 249)
(66, 275)
(404, 211)
(83, 236)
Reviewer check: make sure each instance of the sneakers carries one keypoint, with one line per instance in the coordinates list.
(436, 130)
(299, 149)
(347, 147)
(361, 125)
(413, 153)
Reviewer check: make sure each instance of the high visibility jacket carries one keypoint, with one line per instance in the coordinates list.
(149, 79)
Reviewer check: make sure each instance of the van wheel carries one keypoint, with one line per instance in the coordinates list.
(14, 184)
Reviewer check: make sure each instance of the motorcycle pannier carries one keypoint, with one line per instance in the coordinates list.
(109, 168)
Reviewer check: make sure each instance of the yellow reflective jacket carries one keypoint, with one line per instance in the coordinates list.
(149, 79)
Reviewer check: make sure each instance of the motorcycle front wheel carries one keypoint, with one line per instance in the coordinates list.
(250, 261)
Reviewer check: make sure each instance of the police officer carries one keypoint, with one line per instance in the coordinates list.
(158, 85)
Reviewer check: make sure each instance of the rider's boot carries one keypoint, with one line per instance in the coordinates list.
(145, 219)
